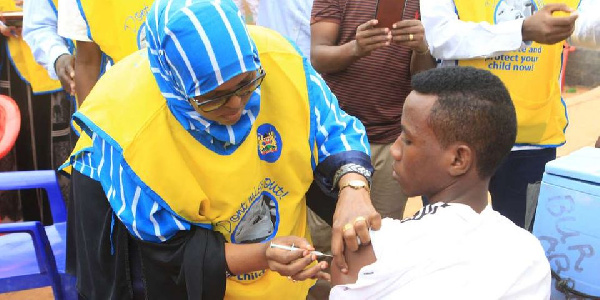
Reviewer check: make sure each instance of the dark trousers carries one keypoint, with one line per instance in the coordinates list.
(508, 186)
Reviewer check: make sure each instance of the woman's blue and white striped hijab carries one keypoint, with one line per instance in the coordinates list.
(193, 47)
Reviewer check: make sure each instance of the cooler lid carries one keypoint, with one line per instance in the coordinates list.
(583, 164)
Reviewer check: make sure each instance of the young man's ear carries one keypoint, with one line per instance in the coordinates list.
(462, 157)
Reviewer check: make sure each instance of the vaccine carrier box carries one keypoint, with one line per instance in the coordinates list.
(567, 220)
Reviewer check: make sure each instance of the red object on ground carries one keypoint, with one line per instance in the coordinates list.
(10, 124)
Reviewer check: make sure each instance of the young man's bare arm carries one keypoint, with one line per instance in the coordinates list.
(356, 260)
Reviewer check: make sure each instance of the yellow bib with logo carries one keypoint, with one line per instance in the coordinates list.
(531, 75)
(251, 195)
(23, 61)
(116, 26)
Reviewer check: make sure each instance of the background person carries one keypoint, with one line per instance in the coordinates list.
(526, 53)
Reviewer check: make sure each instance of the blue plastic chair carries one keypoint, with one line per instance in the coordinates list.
(32, 255)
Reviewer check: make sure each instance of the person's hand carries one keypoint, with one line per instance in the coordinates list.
(10, 31)
(65, 70)
(411, 34)
(544, 28)
(295, 264)
(369, 38)
(354, 216)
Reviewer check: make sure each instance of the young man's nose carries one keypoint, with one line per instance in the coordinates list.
(396, 149)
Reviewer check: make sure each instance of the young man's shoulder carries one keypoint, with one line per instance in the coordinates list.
(516, 239)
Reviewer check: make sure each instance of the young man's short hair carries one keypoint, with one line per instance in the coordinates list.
(473, 107)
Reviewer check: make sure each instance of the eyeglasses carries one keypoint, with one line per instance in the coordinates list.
(243, 91)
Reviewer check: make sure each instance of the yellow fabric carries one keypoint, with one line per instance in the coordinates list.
(531, 76)
(22, 59)
(116, 26)
(205, 187)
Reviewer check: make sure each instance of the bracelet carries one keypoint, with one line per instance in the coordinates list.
(350, 168)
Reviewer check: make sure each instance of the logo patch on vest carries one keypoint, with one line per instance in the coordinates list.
(259, 222)
(508, 10)
(269, 143)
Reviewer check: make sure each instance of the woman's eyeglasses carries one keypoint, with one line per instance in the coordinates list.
(243, 91)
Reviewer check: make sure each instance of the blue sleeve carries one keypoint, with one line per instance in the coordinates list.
(335, 130)
(146, 217)
(339, 138)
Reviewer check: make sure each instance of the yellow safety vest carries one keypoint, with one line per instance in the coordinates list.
(22, 59)
(116, 26)
(262, 183)
(531, 75)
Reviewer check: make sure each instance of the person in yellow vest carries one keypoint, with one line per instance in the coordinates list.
(53, 53)
(195, 158)
(49, 49)
(35, 57)
(22, 58)
(520, 41)
(104, 31)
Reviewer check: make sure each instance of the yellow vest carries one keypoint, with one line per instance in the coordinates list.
(116, 26)
(267, 175)
(531, 76)
(23, 61)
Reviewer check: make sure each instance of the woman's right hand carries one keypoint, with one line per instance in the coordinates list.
(295, 264)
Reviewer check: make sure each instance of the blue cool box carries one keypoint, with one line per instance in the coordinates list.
(567, 220)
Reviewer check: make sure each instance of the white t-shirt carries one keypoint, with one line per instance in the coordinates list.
(448, 251)
(290, 18)
(71, 24)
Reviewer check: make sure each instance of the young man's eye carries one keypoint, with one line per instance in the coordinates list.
(406, 141)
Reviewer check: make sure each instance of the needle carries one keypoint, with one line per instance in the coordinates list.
(292, 248)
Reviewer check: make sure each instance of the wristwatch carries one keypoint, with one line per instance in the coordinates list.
(356, 184)
(350, 168)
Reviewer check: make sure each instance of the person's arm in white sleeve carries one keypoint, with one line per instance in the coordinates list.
(40, 33)
(71, 24)
(587, 26)
(450, 38)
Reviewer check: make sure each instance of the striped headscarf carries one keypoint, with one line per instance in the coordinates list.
(193, 47)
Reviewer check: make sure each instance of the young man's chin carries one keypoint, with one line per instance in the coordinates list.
(405, 189)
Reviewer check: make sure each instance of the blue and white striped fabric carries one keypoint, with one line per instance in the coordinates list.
(135, 205)
(193, 47)
(139, 208)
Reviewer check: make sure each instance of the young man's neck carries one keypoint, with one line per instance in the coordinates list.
(473, 193)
